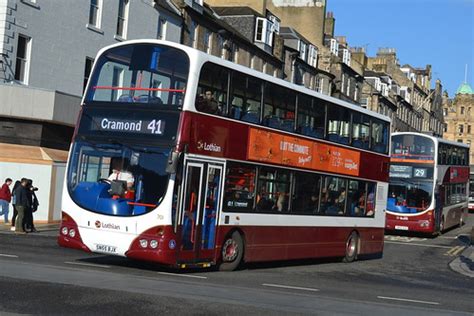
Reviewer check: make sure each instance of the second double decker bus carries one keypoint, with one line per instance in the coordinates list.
(429, 183)
(186, 159)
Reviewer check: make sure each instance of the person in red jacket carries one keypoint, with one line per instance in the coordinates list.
(5, 199)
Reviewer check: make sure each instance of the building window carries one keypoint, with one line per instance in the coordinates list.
(207, 41)
(22, 59)
(348, 90)
(95, 12)
(334, 46)
(469, 129)
(192, 33)
(346, 56)
(122, 18)
(264, 31)
(460, 129)
(87, 70)
(302, 49)
(462, 110)
(312, 56)
(161, 34)
(343, 82)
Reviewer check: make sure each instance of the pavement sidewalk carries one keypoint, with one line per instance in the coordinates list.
(48, 229)
(464, 264)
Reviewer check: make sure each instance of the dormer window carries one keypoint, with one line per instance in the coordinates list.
(312, 55)
(264, 31)
(275, 23)
(302, 49)
(334, 46)
(346, 56)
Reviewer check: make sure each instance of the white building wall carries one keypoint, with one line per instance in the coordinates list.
(61, 39)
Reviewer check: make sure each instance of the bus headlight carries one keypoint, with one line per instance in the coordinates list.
(64, 230)
(424, 223)
(143, 243)
(72, 233)
(153, 244)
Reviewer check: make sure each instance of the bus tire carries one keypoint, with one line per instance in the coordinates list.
(232, 252)
(352, 247)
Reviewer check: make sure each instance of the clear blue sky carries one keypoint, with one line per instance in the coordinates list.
(435, 32)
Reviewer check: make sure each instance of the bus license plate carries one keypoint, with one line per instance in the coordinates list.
(106, 248)
(401, 227)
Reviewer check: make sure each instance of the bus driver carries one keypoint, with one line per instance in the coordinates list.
(120, 172)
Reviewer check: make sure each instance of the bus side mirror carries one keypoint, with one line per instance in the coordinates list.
(173, 161)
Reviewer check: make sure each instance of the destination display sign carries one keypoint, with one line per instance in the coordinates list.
(397, 171)
(154, 126)
(108, 122)
(404, 171)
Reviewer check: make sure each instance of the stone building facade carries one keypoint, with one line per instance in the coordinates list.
(459, 117)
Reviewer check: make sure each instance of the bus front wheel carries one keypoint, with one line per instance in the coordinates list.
(352, 247)
(232, 252)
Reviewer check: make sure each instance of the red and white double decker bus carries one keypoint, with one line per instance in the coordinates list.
(186, 159)
(429, 183)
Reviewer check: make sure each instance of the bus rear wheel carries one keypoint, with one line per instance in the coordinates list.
(352, 247)
(232, 252)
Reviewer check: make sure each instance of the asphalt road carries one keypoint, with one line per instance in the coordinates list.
(412, 278)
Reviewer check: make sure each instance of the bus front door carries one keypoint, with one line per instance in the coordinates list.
(198, 216)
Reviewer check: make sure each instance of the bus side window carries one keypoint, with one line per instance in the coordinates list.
(211, 95)
(379, 136)
(338, 124)
(279, 111)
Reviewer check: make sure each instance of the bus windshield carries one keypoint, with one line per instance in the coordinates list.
(145, 73)
(117, 179)
(409, 195)
(412, 147)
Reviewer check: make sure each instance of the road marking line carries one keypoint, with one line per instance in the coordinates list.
(88, 264)
(291, 287)
(183, 275)
(407, 300)
(451, 251)
(8, 256)
(461, 249)
(421, 245)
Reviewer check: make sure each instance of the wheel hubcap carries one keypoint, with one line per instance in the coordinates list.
(351, 247)
(230, 250)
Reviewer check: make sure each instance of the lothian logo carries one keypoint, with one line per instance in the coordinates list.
(208, 147)
(98, 224)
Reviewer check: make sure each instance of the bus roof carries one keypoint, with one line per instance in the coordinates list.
(206, 57)
(435, 139)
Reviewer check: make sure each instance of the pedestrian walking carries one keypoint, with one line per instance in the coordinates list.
(28, 219)
(15, 211)
(22, 203)
(5, 199)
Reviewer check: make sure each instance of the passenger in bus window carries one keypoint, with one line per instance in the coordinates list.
(325, 200)
(340, 201)
(280, 204)
(370, 206)
(264, 203)
(313, 203)
(207, 103)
